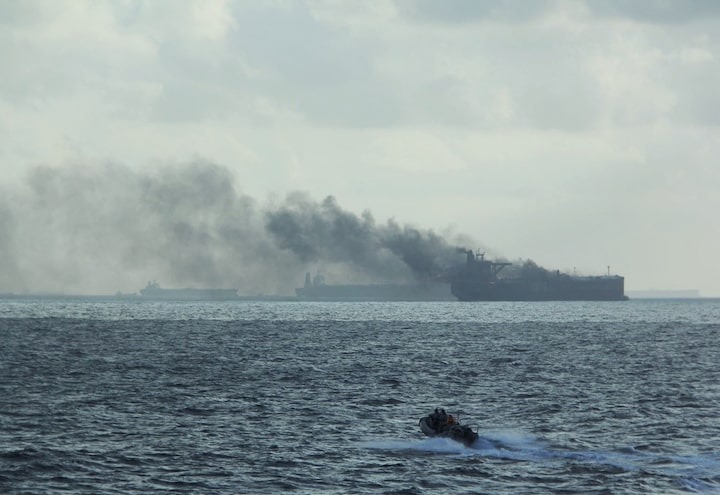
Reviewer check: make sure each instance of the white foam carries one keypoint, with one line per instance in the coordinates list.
(697, 473)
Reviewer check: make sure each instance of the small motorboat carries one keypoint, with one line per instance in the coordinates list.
(442, 424)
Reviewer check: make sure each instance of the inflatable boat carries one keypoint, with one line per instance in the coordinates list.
(441, 424)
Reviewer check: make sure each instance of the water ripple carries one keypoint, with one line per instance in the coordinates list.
(298, 399)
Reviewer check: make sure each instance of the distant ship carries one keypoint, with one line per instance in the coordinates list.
(479, 280)
(315, 289)
(154, 291)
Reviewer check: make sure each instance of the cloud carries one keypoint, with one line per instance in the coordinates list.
(511, 11)
(656, 11)
(465, 11)
(303, 64)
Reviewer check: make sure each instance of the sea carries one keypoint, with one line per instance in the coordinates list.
(128, 396)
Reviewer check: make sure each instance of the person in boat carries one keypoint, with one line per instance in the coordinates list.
(440, 423)
(439, 420)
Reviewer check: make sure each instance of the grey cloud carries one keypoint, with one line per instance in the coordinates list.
(283, 56)
(28, 12)
(281, 62)
(321, 72)
(656, 11)
(464, 11)
(694, 88)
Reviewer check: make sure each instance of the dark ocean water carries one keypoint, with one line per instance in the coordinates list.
(134, 397)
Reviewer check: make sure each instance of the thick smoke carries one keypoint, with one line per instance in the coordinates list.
(101, 229)
(527, 270)
(318, 232)
(110, 228)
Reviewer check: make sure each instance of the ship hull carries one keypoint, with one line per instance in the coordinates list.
(562, 289)
(480, 280)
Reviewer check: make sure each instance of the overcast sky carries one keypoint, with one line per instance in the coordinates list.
(578, 134)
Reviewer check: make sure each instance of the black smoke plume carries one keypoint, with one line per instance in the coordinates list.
(101, 229)
(317, 232)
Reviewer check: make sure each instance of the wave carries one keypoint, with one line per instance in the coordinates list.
(697, 473)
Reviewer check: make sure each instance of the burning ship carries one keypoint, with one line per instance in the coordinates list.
(479, 280)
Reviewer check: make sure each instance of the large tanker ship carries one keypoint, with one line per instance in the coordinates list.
(315, 289)
(480, 280)
(477, 280)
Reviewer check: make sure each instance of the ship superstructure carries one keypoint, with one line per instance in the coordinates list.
(479, 280)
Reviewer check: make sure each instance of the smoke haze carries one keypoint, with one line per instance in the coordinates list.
(325, 232)
(81, 229)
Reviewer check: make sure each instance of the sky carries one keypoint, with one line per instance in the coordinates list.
(175, 139)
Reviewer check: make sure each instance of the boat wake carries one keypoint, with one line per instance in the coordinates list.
(697, 473)
(502, 444)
